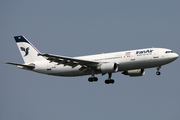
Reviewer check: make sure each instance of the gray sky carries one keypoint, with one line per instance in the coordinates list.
(81, 27)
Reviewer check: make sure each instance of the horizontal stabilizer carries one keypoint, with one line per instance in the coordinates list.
(30, 66)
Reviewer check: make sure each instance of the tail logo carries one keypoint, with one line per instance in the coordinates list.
(26, 50)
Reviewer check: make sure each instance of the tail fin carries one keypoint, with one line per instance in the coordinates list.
(28, 51)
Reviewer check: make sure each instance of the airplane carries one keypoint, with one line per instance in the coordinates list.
(131, 62)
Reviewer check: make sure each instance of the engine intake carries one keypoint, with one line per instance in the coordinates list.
(134, 73)
(108, 67)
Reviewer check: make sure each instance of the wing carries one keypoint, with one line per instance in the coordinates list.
(86, 64)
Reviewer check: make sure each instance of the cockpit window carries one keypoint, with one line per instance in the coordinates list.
(169, 52)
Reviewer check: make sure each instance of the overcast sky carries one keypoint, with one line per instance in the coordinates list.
(81, 27)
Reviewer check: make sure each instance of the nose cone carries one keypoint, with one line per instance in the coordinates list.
(174, 56)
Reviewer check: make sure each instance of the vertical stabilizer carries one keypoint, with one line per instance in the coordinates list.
(28, 51)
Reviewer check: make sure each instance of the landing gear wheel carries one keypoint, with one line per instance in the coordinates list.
(112, 81)
(158, 73)
(92, 79)
(108, 81)
(95, 79)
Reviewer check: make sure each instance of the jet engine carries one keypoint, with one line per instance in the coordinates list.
(134, 73)
(108, 67)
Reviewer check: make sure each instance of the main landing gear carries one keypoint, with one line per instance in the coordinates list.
(95, 79)
(109, 80)
(92, 78)
(158, 68)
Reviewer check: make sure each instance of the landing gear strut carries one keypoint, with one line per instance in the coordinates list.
(109, 80)
(92, 78)
(158, 68)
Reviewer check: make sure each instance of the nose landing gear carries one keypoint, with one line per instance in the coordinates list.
(158, 68)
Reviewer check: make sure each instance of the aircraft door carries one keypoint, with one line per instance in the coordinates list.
(132, 57)
(155, 60)
(155, 54)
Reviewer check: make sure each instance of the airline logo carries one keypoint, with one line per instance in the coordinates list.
(26, 50)
(144, 51)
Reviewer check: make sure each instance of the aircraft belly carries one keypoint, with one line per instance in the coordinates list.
(127, 66)
(138, 63)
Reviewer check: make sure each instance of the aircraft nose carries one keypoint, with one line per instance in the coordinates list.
(175, 56)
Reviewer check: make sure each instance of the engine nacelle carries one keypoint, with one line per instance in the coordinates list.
(108, 67)
(134, 73)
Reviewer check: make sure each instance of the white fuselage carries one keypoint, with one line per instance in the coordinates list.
(126, 60)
